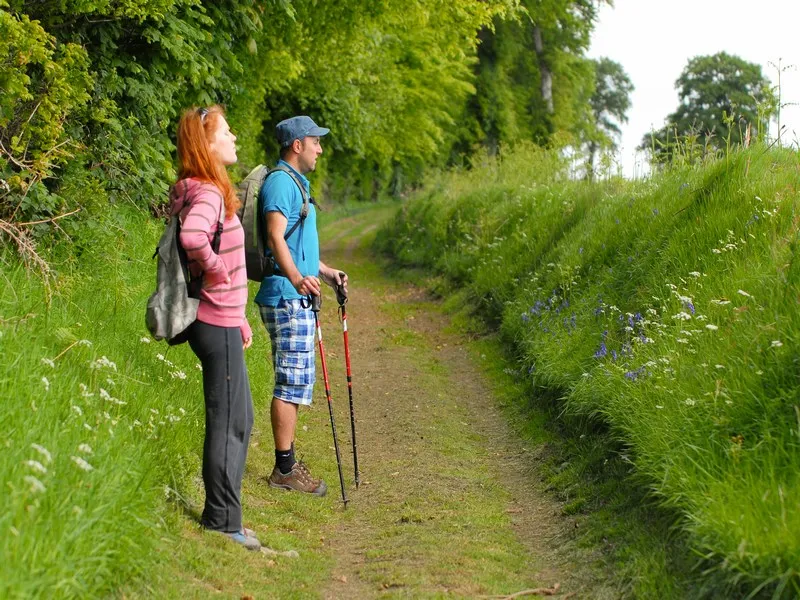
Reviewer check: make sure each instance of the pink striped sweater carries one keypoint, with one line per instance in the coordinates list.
(221, 303)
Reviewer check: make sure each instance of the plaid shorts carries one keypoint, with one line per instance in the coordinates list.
(291, 332)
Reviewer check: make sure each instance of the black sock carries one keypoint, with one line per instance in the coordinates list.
(284, 460)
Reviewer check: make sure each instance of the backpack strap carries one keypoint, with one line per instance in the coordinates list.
(304, 210)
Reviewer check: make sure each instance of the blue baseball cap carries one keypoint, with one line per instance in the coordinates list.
(297, 128)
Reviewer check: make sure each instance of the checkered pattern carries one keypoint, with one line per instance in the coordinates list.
(291, 331)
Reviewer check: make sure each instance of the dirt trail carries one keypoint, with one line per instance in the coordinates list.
(451, 503)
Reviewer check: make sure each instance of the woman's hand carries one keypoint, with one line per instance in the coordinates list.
(247, 343)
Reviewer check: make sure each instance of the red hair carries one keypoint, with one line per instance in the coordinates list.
(195, 131)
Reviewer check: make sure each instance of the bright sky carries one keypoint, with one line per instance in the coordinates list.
(654, 39)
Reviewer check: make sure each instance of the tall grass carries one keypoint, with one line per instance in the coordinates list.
(668, 309)
(99, 425)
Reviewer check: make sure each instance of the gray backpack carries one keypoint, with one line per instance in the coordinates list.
(259, 262)
(173, 306)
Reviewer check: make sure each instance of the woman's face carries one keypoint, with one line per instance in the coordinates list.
(223, 142)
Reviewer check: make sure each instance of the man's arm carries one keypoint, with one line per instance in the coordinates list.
(276, 229)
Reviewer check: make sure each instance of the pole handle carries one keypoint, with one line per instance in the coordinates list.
(315, 302)
(341, 291)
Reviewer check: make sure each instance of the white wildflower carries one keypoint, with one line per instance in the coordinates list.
(35, 465)
(682, 316)
(682, 341)
(49, 362)
(76, 409)
(743, 293)
(144, 340)
(711, 327)
(85, 393)
(182, 411)
(690, 402)
(178, 374)
(110, 382)
(658, 406)
(46, 383)
(701, 318)
(87, 427)
(82, 464)
(86, 343)
(776, 344)
(43, 451)
(104, 394)
(695, 273)
(36, 485)
(85, 448)
(759, 372)
(715, 251)
(719, 366)
(101, 362)
(160, 356)
(199, 367)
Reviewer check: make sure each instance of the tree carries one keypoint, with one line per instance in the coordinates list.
(723, 101)
(610, 102)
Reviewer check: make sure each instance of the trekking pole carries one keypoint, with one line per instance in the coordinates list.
(316, 304)
(341, 298)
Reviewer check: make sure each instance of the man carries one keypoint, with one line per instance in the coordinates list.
(282, 298)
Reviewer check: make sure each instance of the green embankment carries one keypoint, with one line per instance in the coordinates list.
(665, 309)
(100, 424)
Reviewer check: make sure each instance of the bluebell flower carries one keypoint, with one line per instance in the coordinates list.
(580, 250)
(525, 317)
(614, 355)
(655, 212)
(602, 351)
(689, 306)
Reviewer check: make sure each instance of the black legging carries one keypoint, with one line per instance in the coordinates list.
(229, 419)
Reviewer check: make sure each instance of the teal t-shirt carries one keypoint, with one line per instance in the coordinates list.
(280, 193)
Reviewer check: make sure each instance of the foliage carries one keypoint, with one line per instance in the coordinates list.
(724, 101)
(508, 106)
(666, 309)
(610, 103)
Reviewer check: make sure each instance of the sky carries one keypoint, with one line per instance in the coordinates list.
(653, 40)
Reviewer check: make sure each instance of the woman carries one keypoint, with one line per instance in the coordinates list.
(202, 196)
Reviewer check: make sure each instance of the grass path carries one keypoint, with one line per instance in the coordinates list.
(450, 504)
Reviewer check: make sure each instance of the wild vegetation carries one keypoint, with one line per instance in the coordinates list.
(666, 310)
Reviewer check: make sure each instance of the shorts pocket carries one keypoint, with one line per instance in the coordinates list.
(295, 368)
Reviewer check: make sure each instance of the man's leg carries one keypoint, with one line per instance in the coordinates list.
(284, 422)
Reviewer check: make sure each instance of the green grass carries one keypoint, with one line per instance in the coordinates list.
(607, 292)
(99, 425)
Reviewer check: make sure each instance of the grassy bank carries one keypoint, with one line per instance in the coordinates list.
(101, 425)
(664, 309)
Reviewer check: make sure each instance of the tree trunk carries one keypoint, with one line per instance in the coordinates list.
(544, 70)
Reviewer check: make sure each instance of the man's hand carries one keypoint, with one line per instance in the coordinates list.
(333, 277)
(307, 285)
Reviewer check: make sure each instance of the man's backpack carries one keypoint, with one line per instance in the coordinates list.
(259, 262)
(173, 306)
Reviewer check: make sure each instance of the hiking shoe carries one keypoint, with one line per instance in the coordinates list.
(248, 541)
(298, 479)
